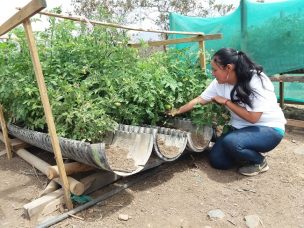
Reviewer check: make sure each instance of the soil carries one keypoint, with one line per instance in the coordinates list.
(118, 159)
(198, 140)
(180, 194)
(167, 151)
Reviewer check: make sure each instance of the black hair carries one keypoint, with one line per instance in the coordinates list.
(245, 68)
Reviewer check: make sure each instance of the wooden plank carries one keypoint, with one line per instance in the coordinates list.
(295, 123)
(25, 13)
(287, 78)
(47, 111)
(35, 207)
(15, 143)
(6, 139)
(52, 206)
(179, 41)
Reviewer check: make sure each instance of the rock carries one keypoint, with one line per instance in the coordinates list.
(252, 221)
(216, 214)
(123, 217)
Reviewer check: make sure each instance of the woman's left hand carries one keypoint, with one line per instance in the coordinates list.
(220, 100)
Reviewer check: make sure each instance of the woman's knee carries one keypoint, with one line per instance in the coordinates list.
(218, 161)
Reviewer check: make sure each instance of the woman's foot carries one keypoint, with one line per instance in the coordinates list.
(252, 170)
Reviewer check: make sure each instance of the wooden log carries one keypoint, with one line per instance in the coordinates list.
(47, 111)
(38, 163)
(75, 186)
(26, 12)
(70, 168)
(6, 139)
(98, 180)
(51, 187)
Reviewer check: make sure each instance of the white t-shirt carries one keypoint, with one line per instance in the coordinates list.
(263, 100)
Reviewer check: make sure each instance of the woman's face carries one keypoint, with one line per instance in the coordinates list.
(220, 73)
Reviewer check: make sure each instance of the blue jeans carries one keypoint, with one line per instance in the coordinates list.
(243, 145)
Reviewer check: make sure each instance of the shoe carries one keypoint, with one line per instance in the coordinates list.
(252, 170)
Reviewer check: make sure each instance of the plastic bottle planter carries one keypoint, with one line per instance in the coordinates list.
(168, 143)
(198, 137)
(127, 154)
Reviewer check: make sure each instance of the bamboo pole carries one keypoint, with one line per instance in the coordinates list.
(47, 111)
(82, 19)
(198, 38)
(6, 140)
(202, 55)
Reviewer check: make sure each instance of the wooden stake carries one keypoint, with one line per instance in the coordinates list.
(47, 111)
(282, 94)
(5, 135)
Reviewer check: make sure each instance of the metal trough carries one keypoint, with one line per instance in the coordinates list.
(132, 149)
(198, 137)
(168, 143)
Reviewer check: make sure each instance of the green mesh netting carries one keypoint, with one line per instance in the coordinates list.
(271, 33)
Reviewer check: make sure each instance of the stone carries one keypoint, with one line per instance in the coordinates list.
(123, 217)
(216, 214)
(252, 221)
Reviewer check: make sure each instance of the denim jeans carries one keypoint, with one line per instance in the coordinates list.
(243, 145)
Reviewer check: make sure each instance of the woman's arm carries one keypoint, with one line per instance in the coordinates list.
(251, 117)
(187, 107)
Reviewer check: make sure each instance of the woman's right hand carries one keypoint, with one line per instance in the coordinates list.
(173, 112)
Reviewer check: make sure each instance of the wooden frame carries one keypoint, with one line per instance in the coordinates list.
(286, 78)
(199, 37)
(23, 17)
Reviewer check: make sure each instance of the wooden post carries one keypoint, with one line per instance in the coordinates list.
(201, 45)
(282, 94)
(47, 111)
(5, 135)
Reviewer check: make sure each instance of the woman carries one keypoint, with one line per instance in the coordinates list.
(258, 123)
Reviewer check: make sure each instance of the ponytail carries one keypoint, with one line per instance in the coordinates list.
(245, 68)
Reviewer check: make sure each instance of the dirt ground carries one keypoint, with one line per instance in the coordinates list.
(180, 194)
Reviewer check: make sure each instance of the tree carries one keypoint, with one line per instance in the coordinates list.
(135, 11)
